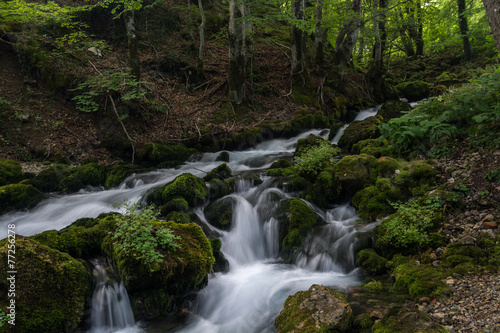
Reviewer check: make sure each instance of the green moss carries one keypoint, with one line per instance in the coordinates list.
(386, 166)
(302, 312)
(10, 172)
(299, 219)
(373, 287)
(297, 184)
(221, 172)
(19, 196)
(373, 202)
(414, 90)
(334, 129)
(407, 320)
(306, 144)
(48, 180)
(160, 155)
(325, 191)
(218, 188)
(458, 253)
(180, 271)
(220, 213)
(91, 174)
(371, 262)
(51, 287)
(371, 147)
(186, 186)
(117, 174)
(359, 130)
(76, 240)
(421, 178)
(281, 164)
(419, 280)
(393, 109)
(353, 173)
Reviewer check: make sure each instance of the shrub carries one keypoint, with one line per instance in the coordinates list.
(135, 235)
(312, 160)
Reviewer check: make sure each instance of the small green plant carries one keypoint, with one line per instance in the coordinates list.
(99, 87)
(409, 225)
(4, 319)
(373, 286)
(313, 159)
(462, 188)
(493, 176)
(57, 124)
(135, 235)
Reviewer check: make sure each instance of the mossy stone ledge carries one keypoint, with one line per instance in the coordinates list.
(407, 320)
(51, 287)
(19, 196)
(360, 130)
(186, 186)
(10, 172)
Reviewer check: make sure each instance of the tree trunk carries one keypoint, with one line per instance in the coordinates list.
(133, 51)
(377, 47)
(464, 29)
(347, 37)
(300, 75)
(318, 37)
(248, 43)
(201, 51)
(419, 40)
(237, 63)
(492, 8)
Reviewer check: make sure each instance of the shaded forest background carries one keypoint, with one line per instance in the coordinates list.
(95, 80)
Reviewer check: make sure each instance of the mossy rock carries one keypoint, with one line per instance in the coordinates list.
(374, 202)
(334, 129)
(407, 320)
(223, 157)
(221, 264)
(421, 178)
(281, 164)
(319, 309)
(354, 172)
(458, 253)
(151, 304)
(48, 180)
(221, 172)
(386, 166)
(297, 183)
(81, 239)
(371, 262)
(371, 147)
(324, 192)
(118, 174)
(393, 109)
(186, 186)
(51, 287)
(91, 174)
(180, 271)
(162, 155)
(305, 144)
(220, 213)
(19, 196)
(297, 221)
(220, 188)
(414, 90)
(419, 280)
(11, 172)
(360, 130)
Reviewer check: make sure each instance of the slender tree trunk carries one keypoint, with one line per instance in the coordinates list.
(419, 40)
(492, 8)
(248, 43)
(318, 37)
(404, 32)
(377, 47)
(201, 51)
(237, 58)
(300, 76)
(347, 37)
(464, 29)
(190, 23)
(133, 51)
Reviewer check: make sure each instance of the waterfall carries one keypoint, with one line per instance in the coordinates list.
(110, 306)
(251, 294)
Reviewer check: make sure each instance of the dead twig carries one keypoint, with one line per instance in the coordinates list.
(124, 129)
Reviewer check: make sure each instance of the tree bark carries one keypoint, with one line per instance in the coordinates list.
(300, 75)
(318, 37)
(237, 52)
(347, 37)
(464, 29)
(201, 50)
(492, 8)
(133, 51)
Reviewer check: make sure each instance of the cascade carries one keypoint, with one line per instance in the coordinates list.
(251, 294)
(110, 306)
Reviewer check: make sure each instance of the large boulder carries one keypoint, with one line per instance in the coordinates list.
(162, 155)
(414, 90)
(50, 286)
(320, 309)
(10, 172)
(180, 270)
(360, 130)
(19, 196)
(220, 213)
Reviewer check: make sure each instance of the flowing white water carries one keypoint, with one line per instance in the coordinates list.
(111, 311)
(362, 115)
(250, 296)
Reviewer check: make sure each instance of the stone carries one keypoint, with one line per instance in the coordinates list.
(320, 309)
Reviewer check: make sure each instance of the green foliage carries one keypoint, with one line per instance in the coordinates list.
(314, 159)
(118, 81)
(373, 286)
(3, 318)
(10, 172)
(135, 235)
(493, 176)
(406, 229)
